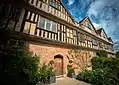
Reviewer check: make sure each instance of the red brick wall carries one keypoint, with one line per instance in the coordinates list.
(47, 53)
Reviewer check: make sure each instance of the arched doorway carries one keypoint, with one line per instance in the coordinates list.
(58, 65)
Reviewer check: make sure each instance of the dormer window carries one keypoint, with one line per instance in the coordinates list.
(54, 4)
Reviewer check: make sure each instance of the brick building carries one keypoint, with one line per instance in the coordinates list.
(47, 29)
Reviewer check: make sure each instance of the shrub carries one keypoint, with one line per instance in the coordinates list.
(46, 72)
(96, 63)
(85, 76)
(71, 70)
(20, 68)
(105, 72)
(101, 53)
(117, 54)
(51, 62)
(69, 66)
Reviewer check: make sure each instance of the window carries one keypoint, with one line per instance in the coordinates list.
(89, 25)
(54, 4)
(12, 42)
(81, 37)
(94, 41)
(16, 43)
(63, 32)
(47, 24)
(32, 29)
(42, 22)
(21, 44)
(11, 12)
(32, 16)
(53, 26)
(28, 15)
(70, 35)
(75, 36)
(26, 27)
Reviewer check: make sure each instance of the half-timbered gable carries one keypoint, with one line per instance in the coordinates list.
(87, 25)
(102, 33)
(42, 25)
(55, 7)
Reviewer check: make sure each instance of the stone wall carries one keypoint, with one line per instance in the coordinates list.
(80, 58)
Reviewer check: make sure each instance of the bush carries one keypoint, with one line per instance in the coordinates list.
(96, 63)
(20, 68)
(85, 76)
(46, 71)
(105, 72)
(70, 69)
(117, 54)
(51, 62)
(101, 53)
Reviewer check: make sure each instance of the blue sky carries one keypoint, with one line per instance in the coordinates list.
(103, 13)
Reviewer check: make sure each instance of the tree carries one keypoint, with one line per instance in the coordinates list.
(117, 54)
(20, 68)
(101, 53)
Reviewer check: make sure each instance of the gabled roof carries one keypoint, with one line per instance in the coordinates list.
(66, 10)
(110, 39)
(83, 20)
(99, 31)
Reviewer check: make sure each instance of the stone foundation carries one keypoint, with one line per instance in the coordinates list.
(80, 58)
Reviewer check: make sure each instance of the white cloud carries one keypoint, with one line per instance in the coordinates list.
(97, 26)
(106, 11)
(70, 2)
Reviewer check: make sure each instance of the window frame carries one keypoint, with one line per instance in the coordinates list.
(94, 41)
(45, 24)
(54, 4)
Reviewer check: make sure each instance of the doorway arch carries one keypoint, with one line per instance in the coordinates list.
(58, 65)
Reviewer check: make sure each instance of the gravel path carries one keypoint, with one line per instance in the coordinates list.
(69, 81)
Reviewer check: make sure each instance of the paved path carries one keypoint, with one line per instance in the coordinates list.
(69, 81)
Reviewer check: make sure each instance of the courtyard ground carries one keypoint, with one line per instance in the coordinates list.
(69, 81)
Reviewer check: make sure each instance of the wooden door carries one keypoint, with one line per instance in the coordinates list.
(58, 65)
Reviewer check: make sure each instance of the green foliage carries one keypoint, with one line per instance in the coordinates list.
(117, 54)
(51, 62)
(101, 53)
(46, 71)
(69, 66)
(70, 69)
(96, 62)
(105, 72)
(20, 68)
(85, 76)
